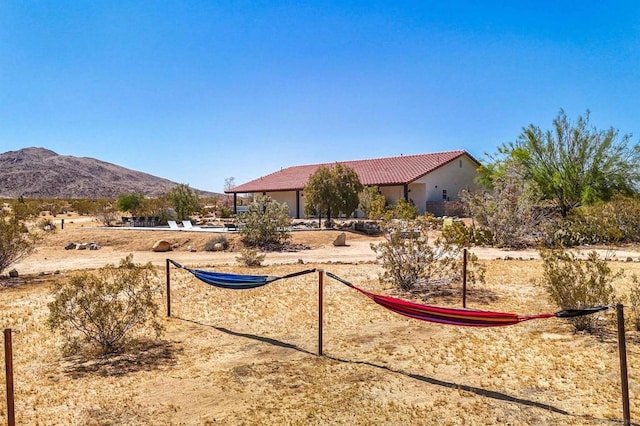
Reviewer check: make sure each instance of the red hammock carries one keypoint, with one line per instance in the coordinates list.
(461, 317)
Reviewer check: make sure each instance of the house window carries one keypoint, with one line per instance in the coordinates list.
(460, 163)
(444, 195)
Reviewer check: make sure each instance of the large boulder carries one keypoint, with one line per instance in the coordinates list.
(341, 240)
(161, 246)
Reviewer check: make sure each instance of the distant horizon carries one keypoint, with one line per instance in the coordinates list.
(201, 92)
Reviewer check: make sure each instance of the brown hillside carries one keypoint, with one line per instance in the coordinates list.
(41, 173)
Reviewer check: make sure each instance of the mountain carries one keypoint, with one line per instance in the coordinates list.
(41, 173)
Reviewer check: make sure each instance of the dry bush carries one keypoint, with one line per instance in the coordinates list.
(635, 301)
(250, 257)
(574, 283)
(409, 258)
(15, 241)
(105, 308)
(210, 245)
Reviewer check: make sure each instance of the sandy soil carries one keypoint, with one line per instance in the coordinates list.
(188, 249)
(250, 357)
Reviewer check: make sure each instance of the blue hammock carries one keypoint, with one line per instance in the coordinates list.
(236, 281)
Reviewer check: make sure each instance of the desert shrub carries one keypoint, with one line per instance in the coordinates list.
(224, 212)
(16, 242)
(47, 225)
(372, 202)
(106, 310)
(511, 209)
(613, 222)
(409, 258)
(635, 302)
(265, 224)
(405, 210)
(106, 212)
(84, 206)
(574, 283)
(250, 257)
(458, 233)
(218, 239)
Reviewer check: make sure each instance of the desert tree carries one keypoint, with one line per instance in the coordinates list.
(132, 202)
(106, 212)
(573, 163)
(372, 202)
(105, 309)
(265, 224)
(333, 190)
(184, 201)
(16, 242)
(510, 208)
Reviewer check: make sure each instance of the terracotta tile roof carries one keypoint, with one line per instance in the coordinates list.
(380, 171)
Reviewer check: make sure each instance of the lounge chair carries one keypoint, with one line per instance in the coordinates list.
(172, 224)
(186, 224)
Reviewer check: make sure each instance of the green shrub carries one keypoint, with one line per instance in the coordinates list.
(104, 310)
(613, 222)
(218, 239)
(405, 210)
(574, 283)
(224, 212)
(265, 224)
(250, 257)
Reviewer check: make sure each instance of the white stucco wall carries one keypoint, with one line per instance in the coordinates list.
(453, 177)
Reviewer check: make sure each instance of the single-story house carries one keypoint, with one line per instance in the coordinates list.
(429, 181)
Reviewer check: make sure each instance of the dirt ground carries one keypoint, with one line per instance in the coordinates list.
(188, 248)
(251, 357)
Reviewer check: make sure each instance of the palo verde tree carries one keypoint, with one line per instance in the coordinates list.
(574, 164)
(332, 190)
(184, 201)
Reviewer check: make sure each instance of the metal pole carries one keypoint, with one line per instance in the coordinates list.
(8, 362)
(624, 378)
(168, 289)
(320, 279)
(464, 278)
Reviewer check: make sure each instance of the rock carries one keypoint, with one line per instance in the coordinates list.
(218, 247)
(70, 246)
(13, 273)
(94, 246)
(341, 240)
(161, 246)
(191, 249)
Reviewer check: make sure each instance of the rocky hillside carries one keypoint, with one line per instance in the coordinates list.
(41, 173)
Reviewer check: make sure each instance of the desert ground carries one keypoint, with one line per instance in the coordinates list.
(251, 357)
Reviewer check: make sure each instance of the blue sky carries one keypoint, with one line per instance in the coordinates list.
(201, 91)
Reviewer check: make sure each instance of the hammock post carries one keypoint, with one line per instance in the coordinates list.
(464, 277)
(168, 271)
(320, 303)
(8, 362)
(622, 350)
